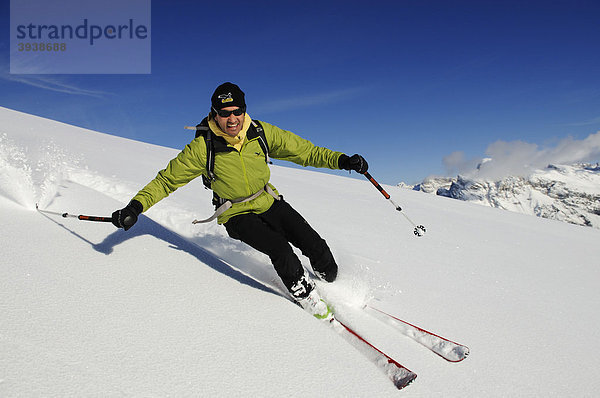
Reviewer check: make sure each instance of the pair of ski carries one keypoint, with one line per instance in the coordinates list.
(400, 375)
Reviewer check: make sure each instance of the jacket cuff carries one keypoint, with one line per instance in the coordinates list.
(136, 206)
(343, 161)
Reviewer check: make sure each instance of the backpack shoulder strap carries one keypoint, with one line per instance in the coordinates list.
(262, 140)
(203, 130)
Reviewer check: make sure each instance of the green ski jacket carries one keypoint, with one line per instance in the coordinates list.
(238, 174)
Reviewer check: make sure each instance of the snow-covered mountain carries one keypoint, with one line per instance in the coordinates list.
(171, 309)
(569, 193)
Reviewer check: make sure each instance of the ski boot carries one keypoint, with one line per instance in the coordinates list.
(306, 296)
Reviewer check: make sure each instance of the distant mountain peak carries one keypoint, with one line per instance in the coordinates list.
(569, 193)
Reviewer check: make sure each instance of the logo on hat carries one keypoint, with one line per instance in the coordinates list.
(225, 98)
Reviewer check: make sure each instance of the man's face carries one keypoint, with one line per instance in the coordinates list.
(232, 124)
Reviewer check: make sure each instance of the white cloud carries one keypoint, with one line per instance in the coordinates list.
(521, 158)
(457, 163)
(589, 122)
(282, 104)
(52, 84)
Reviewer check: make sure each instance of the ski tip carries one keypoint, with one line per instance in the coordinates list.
(458, 353)
(405, 380)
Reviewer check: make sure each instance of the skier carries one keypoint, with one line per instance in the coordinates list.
(256, 214)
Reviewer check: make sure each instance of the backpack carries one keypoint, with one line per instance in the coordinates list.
(215, 144)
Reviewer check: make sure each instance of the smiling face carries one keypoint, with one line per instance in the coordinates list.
(232, 124)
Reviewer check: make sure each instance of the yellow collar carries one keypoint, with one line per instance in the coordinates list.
(236, 141)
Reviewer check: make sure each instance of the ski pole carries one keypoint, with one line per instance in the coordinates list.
(419, 229)
(80, 216)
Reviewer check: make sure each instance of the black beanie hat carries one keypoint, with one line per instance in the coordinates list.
(228, 94)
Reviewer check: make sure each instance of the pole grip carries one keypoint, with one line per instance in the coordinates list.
(376, 184)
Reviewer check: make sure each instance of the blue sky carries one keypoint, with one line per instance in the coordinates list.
(405, 83)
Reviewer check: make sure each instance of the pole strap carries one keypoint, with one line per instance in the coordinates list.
(230, 202)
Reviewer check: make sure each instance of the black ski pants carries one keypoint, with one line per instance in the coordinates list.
(272, 232)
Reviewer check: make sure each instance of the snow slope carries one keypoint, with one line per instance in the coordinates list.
(88, 310)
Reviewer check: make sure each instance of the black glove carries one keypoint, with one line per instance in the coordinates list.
(127, 216)
(354, 162)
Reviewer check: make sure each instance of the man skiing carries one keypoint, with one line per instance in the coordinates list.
(249, 207)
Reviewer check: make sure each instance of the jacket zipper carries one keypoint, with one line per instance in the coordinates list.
(244, 169)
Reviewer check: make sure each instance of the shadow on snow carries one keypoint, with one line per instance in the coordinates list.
(146, 226)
